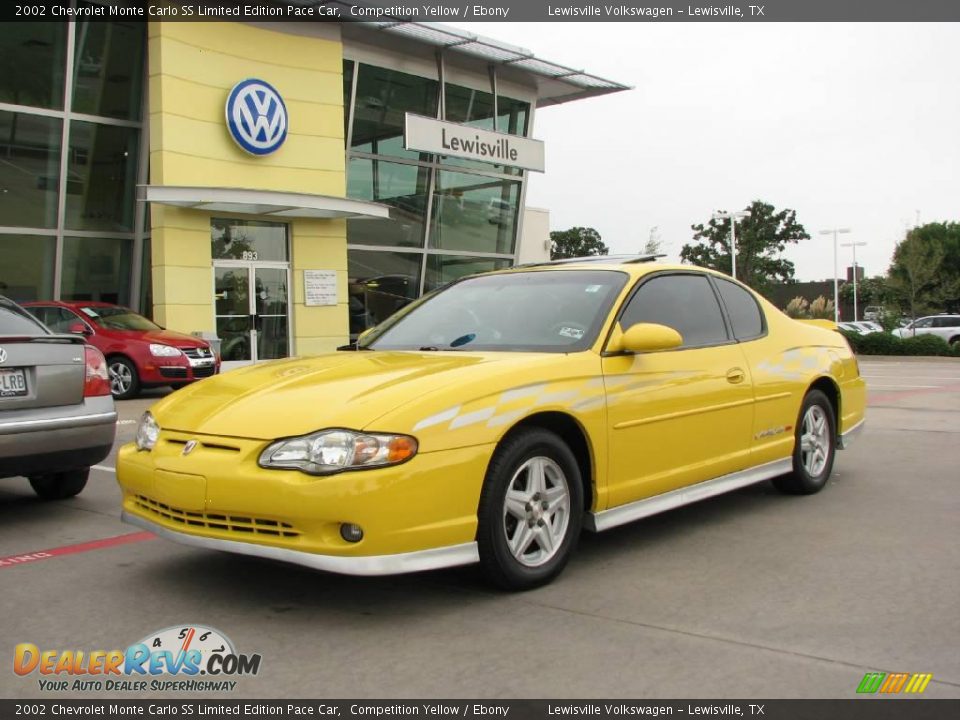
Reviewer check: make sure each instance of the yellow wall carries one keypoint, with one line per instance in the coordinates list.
(193, 67)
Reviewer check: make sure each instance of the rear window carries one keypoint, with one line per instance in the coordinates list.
(14, 321)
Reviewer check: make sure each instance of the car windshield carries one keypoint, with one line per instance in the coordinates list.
(118, 318)
(536, 311)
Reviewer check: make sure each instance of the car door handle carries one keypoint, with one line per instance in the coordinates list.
(735, 375)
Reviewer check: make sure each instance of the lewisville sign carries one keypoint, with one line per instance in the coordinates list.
(425, 134)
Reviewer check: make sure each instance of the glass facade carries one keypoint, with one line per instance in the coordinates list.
(449, 217)
(70, 127)
(72, 152)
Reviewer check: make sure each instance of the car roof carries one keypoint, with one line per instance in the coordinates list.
(71, 304)
(635, 265)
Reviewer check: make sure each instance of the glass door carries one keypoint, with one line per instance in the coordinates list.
(252, 326)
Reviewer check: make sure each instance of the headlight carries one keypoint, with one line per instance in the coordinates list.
(330, 451)
(147, 432)
(163, 350)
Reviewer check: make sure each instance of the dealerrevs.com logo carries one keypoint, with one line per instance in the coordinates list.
(181, 658)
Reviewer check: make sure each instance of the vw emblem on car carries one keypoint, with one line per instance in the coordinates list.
(3, 355)
(189, 447)
(256, 117)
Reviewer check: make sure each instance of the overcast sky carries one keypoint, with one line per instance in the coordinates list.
(851, 125)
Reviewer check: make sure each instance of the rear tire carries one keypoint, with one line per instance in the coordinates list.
(124, 380)
(815, 447)
(59, 486)
(531, 510)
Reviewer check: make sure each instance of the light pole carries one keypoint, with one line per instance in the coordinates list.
(854, 245)
(836, 282)
(732, 217)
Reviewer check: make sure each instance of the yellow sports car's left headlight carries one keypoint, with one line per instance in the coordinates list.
(331, 451)
(148, 431)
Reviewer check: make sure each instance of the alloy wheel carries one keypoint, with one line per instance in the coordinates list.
(536, 511)
(121, 378)
(815, 441)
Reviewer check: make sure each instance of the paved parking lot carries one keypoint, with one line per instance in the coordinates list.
(749, 595)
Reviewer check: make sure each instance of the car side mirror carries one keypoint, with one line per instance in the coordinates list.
(78, 328)
(644, 338)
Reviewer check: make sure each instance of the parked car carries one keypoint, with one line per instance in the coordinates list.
(873, 312)
(867, 327)
(493, 419)
(139, 352)
(56, 413)
(945, 326)
(850, 327)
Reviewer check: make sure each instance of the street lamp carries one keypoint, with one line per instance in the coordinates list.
(836, 282)
(732, 217)
(854, 245)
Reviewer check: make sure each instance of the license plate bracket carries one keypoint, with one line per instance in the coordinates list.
(13, 382)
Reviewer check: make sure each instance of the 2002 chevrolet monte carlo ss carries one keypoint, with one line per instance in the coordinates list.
(494, 419)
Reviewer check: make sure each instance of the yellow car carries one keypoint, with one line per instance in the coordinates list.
(494, 419)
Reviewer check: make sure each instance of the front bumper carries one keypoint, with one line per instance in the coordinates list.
(415, 516)
(417, 561)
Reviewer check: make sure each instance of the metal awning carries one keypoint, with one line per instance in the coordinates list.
(269, 203)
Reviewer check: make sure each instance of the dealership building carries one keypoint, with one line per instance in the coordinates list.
(279, 185)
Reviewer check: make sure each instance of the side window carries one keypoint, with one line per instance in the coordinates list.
(923, 323)
(686, 303)
(60, 319)
(745, 314)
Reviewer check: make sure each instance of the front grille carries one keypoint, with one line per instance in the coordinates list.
(230, 523)
(179, 373)
(197, 353)
(202, 372)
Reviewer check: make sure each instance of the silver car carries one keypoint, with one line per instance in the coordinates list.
(56, 413)
(945, 326)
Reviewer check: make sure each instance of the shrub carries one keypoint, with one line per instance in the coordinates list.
(887, 344)
(821, 309)
(926, 345)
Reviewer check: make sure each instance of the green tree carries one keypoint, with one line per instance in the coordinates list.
(762, 237)
(576, 242)
(925, 271)
(915, 269)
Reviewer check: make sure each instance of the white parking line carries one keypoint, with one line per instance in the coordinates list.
(876, 385)
(126, 422)
(913, 377)
(105, 468)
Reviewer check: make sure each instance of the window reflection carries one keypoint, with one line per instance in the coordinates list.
(32, 60)
(383, 98)
(102, 170)
(474, 213)
(234, 239)
(108, 68)
(442, 269)
(403, 188)
(96, 269)
(29, 170)
(26, 270)
(380, 284)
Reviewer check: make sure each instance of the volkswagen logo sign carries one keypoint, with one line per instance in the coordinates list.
(256, 116)
(3, 356)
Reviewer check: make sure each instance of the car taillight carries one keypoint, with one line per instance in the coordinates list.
(97, 380)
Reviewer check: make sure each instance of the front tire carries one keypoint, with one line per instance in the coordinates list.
(814, 448)
(531, 510)
(61, 485)
(124, 380)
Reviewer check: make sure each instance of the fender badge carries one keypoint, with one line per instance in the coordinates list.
(189, 447)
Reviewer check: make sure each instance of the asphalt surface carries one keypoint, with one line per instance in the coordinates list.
(750, 595)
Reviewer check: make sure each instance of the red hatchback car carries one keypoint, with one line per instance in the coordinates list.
(139, 353)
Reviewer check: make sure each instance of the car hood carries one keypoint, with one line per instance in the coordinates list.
(345, 389)
(163, 337)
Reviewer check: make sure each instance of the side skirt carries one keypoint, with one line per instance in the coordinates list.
(606, 519)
